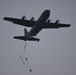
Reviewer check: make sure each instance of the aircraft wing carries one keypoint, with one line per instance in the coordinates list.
(29, 23)
(54, 25)
(22, 22)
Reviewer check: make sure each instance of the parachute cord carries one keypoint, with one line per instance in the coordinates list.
(22, 60)
(25, 58)
(24, 51)
(25, 46)
(25, 64)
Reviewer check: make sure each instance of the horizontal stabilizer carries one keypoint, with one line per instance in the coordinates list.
(26, 39)
(20, 38)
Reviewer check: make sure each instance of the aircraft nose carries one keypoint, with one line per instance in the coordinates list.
(48, 11)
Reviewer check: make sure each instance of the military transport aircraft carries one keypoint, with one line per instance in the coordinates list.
(42, 23)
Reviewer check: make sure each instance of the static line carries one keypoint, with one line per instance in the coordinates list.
(22, 60)
(25, 64)
(24, 50)
(25, 46)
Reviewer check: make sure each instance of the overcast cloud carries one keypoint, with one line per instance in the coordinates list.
(55, 54)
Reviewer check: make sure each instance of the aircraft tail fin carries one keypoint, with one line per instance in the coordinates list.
(25, 32)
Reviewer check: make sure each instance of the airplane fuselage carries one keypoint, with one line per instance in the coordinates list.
(39, 24)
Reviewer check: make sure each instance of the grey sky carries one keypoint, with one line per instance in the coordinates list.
(55, 54)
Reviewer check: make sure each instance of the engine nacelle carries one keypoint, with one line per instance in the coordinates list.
(57, 21)
(48, 21)
(32, 19)
(23, 18)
